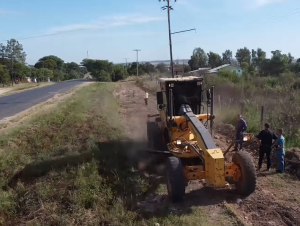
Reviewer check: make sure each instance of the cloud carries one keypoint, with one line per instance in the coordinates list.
(5, 11)
(267, 2)
(261, 3)
(108, 22)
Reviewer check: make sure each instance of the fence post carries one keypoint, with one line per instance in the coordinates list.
(262, 117)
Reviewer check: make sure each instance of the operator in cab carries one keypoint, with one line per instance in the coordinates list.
(265, 138)
(241, 127)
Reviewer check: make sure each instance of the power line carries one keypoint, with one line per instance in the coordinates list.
(45, 35)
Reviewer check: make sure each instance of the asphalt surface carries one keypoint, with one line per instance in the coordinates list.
(18, 102)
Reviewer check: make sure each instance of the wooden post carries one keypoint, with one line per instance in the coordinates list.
(262, 117)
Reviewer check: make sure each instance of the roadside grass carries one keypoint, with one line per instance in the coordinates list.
(18, 88)
(67, 167)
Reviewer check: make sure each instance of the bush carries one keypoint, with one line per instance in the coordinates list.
(103, 76)
(229, 75)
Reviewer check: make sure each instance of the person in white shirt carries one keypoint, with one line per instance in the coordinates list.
(146, 97)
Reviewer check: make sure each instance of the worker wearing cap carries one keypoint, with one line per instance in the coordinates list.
(266, 138)
(241, 127)
(146, 97)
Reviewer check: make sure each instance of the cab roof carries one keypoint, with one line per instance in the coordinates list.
(182, 79)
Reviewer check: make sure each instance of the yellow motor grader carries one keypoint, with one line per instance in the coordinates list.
(181, 130)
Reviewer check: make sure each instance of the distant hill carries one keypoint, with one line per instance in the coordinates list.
(167, 62)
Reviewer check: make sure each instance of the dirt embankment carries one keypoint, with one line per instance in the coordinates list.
(275, 201)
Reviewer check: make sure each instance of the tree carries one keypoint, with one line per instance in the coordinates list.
(71, 66)
(82, 70)
(12, 53)
(278, 63)
(214, 59)
(258, 58)
(119, 73)
(291, 58)
(296, 68)
(4, 75)
(200, 57)
(72, 75)
(48, 63)
(243, 55)
(253, 54)
(298, 61)
(187, 68)
(21, 71)
(149, 68)
(59, 62)
(194, 63)
(245, 66)
(103, 76)
(227, 57)
(161, 67)
(95, 66)
(132, 69)
(47, 73)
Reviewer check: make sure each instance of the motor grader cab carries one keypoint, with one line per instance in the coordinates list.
(181, 129)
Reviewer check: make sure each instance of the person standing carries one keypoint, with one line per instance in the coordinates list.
(266, 138)
(241, 127)
(280, 152)
(146, 97)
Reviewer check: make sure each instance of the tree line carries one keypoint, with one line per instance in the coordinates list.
(255, 61)
(13, 67)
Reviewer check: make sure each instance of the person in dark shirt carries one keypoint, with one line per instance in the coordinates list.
(266, 138)
(241, 127)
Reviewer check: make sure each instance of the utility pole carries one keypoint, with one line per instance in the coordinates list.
(137, 61)
(87, 54)
(169, 8)
(126, 61)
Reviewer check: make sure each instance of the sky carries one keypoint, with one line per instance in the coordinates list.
(111, 30)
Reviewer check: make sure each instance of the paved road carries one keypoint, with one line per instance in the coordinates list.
(16, 103)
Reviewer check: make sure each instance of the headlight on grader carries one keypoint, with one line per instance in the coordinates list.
(246, 138)
(178, 142)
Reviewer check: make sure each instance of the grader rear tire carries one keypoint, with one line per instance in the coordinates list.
(247, 182)
(175, 179)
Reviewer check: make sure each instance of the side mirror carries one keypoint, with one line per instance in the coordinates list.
(159, 98)
(160, 107)
(208, 95)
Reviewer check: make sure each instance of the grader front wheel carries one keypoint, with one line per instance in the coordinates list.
(175, 179)
(247, 181)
